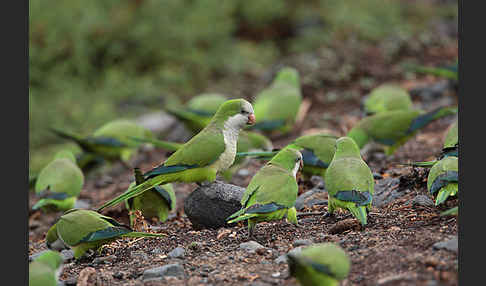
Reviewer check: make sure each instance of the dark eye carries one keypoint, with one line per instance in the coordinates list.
(298, 159)
(244, 112)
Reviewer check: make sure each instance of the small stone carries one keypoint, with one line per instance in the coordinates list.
(158, 273)
(178, 252)
(251, 246)
(67, 254)
(243, 172)
(300, 242)
(82, 204)
(103, 260)
(450, 244)
(140, 255)
(157, 251)
(276, 274)
(87, 276)
(423, 200)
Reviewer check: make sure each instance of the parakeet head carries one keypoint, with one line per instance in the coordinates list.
(346, 147)
(236, 113)
(53, 259)
(288, 158)
(287, 75)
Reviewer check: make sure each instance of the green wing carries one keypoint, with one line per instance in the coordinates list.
(60, 176)
(348, 174)
(451, 138)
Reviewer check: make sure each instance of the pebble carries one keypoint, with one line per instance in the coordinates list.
(67, 254)
(251, 246)
(450, 244)
(158, 273)
(177, 252)
(423, 200)
(140, 255)
(82, 204)
(104, 259)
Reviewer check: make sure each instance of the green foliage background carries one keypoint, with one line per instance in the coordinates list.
(89, 57)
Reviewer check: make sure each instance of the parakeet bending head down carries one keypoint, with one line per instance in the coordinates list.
(272, 192)
(45, 269)
(211, 151)
(387, 97)
(59, 183)
(349, 181)
(443, 179)
(82, 230)
(323, 264)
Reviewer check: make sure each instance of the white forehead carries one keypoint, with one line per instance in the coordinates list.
(246, 106)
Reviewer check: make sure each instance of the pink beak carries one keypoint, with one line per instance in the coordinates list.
(251, 119)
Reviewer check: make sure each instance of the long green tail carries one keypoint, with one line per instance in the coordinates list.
(71, 136)
(441, 72)
(426, 118)
(453, 211)
(445, 192)
(425, 164)
(167, 145)
(359, 213)
(243, 217)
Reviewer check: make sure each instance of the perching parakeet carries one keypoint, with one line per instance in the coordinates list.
(198, 111)
(349, 181)
(59, 183)
(212, 150)
(272, 192)
(323, 264)
(45, 269)
(443, 179)
(276, 107)
(82, 230)
(387, 97)
(394, 128)
(112, 140)
(156, 202)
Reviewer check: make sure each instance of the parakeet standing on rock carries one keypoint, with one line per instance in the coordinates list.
(45, 269)
(111, 141)
(272, 192)
(394, 128)
(349, 181)
(59, 183)
(387, 97)
(82, 230)
(443, 179)
(276, 107)
(157, 202)
(323, 264)
(211, 151)
(198, 111)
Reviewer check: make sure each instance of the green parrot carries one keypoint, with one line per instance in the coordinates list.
(322, 264)
(449, 148)
(59, 183)
(111, 141)
(82, 230)
(443, 179)
(156, 202)
(452, 212)
(387, 97)
(317, 152)
(394, 128)
(349, 181)
(272, 192)
(198, 111)
(276, 107)
(45, 269)
(210, 151)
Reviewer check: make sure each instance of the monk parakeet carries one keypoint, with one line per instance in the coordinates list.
(82, 230)
(198, 111)
(276, 107)
(59, 183)
(111, 141)
(45, 269)
(272, 192)
(212, 150)
(317, 152)
(394, 128)
(349, 181)
(385, 98)
(156, 202)
(443, 179)
(323, 264)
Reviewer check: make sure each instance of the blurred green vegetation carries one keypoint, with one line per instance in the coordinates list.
(87, 58)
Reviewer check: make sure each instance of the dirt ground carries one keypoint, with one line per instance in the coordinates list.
(394, 249)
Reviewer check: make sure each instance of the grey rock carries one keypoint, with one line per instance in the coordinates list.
(61, 283)
(177, 252)
(67, 254)
(104, 259)
(431, 92)
(251, 246)
(301, 242)
(243, 172)
(157, 250)
(140, 255)
(450, 244)
(159, 273)
(157, 122)
(423, 200)
(386, 191)
(310, 198)
(209, 205)
(82, 204)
